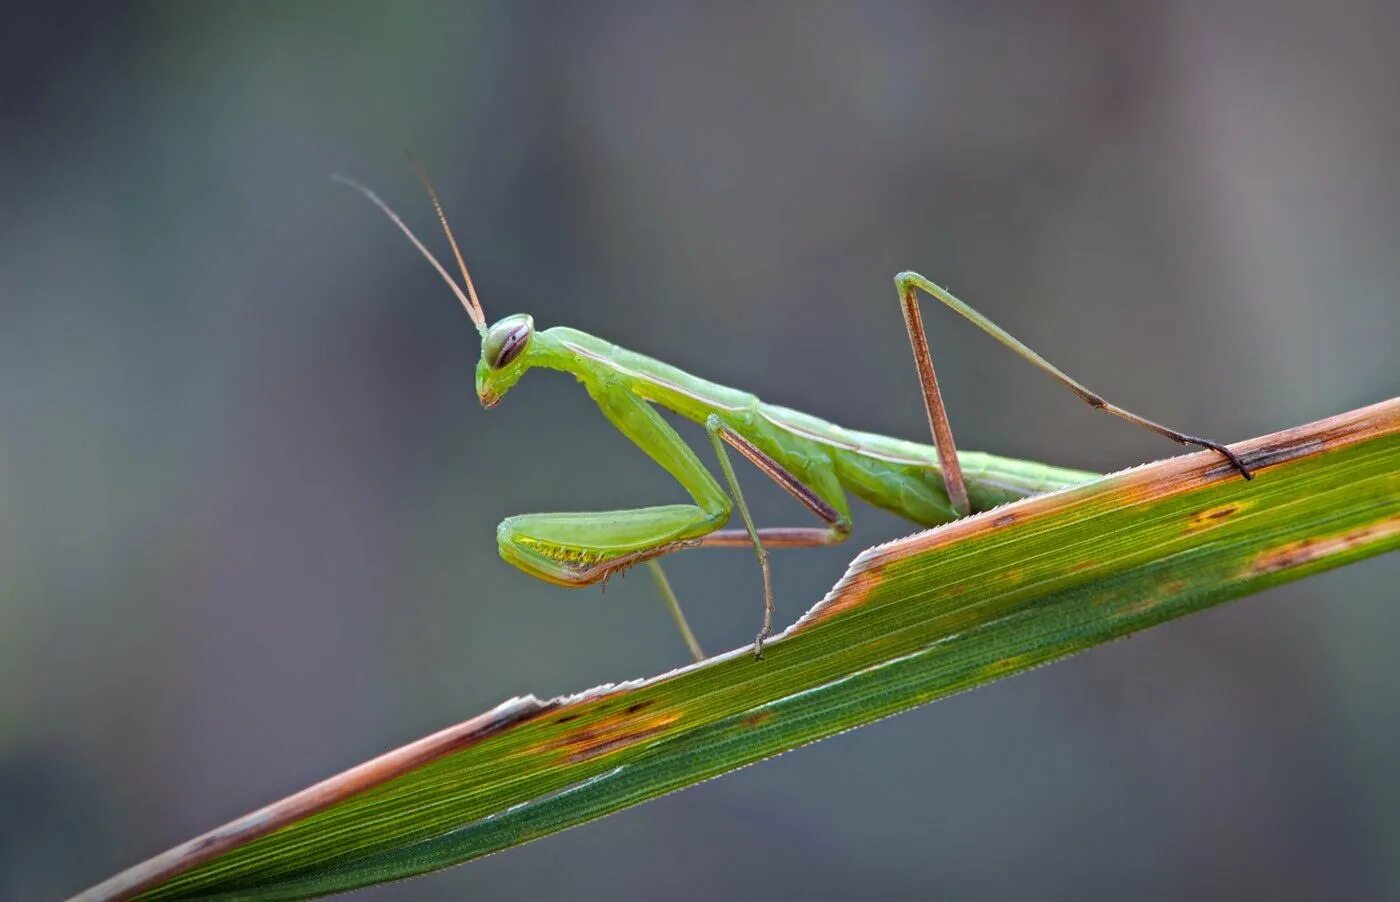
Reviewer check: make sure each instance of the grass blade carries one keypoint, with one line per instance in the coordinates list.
(912, 621)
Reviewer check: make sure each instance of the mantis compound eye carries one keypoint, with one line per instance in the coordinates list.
(506, 340)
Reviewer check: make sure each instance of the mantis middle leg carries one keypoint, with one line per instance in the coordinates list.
(837, 528)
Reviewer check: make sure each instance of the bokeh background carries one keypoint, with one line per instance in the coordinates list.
(247, 499)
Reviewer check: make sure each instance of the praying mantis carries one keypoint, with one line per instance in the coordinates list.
(814, 461)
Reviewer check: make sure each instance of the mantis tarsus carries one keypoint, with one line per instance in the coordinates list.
(814, 461)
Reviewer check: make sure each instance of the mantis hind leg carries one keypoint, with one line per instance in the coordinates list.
(907, 282)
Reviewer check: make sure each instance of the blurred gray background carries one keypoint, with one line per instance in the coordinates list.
(248, 500)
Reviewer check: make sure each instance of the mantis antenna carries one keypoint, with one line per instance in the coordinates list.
(480, 318)
(473, 309)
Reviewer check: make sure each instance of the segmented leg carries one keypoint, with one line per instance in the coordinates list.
(720, 435)
(579, 549)
(838, 524)
(938, 424)
(906, 282)
(713, 426)
(673, 604)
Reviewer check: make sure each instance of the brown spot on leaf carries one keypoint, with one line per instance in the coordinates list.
(997, 669)
(1213, 516)
(1161, 594)
(1269, 457)
(850, 593)
(759, 718)
(1004, 520)
(607, 733)
(611, 745)
(1313, 548)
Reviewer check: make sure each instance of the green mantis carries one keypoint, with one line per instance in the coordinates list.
(816, 462)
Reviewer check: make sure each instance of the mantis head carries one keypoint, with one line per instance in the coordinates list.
(505, 346)
(505, 356)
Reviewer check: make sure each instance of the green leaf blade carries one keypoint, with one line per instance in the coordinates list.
(912, 621)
